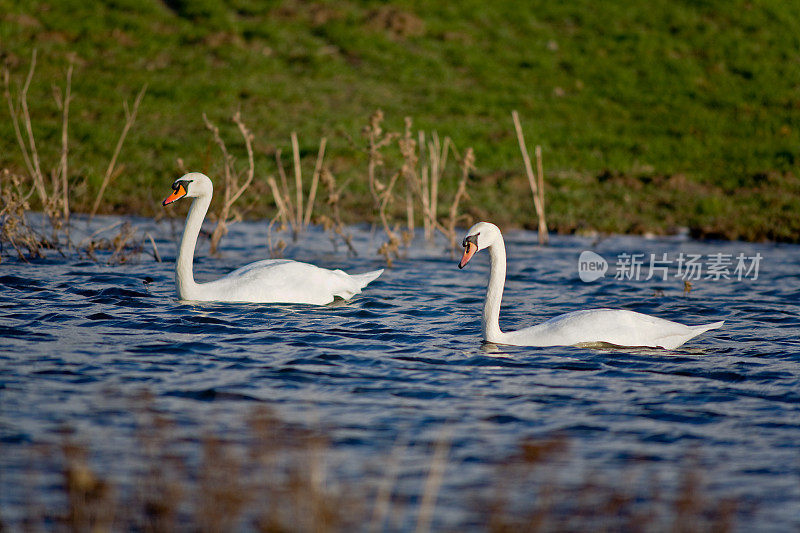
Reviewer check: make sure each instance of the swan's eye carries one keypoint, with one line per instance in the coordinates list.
(179, 183)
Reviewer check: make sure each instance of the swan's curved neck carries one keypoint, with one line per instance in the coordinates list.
(494, 292)
(184, 277)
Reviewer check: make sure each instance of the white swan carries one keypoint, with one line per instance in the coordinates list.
(268, 281)
(612, 326)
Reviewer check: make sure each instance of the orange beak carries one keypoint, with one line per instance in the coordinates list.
(469, 251)
(177, 194)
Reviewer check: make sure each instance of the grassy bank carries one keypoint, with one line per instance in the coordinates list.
(651, 117)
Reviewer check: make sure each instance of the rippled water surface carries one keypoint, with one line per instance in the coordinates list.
(404, 362)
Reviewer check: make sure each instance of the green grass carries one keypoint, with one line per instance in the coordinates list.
(651, 116)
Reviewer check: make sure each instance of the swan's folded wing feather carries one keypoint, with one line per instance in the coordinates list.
(283, 281)
(612, 326)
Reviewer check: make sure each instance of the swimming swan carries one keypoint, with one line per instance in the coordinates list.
(612, 326)
(271, 280)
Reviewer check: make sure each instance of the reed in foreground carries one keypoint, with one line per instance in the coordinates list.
(272, 475)
(54, 196)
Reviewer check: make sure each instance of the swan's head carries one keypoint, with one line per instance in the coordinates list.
(480, 236)
(190, 185)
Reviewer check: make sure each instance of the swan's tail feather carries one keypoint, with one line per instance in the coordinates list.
(351, 284)
(673, 341)
(365, 279)
(705, 327)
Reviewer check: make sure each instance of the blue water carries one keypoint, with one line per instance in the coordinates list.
(404, 362)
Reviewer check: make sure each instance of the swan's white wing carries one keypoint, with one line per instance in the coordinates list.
(284, 281)
(612, 326)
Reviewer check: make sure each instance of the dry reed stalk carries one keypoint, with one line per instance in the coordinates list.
(27, 142)
(91, 500)
(410, 211)
(538, 192)
(437, 154)
(91, 237)
(334, 222)
(123, 246)
(525, 470)
(377, 139)
(282, 175)
(156, 255)
(36, 169)
(373, 132)
(232, 189)
(392, 246)
(408, 149)
(55, 203)
(15, 119)
(291, 212)
(312, 193)
(384, 193)
(14, 227)
(287, 199)
(383, 499)
(301, 218)
(316, 480)
(159, 491)
(275, 250)
(247, 135)
(283, 212)
(130, 118)
(63, 166)
(433, 482)
(540, 180)
(467, 164)
(121, 255)
(426, 205)
(298, 179)
(221, 492)
(388, 249)
(386, 197)
(425, 189)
